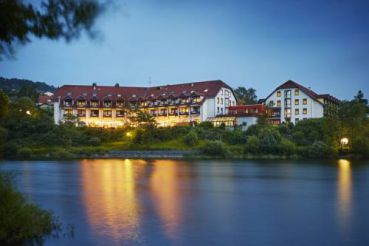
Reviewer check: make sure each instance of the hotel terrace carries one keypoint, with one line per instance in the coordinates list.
(114, 106)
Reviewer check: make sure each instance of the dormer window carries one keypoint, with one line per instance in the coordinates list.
(108, 103)
(94, 103)
(120, 103)
(68, 102)
(81, 102)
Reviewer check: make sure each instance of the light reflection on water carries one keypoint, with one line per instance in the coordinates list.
(344, 200)
(171, 202)
(165, 187)
(110, 197)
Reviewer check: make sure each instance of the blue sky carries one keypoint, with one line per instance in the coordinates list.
(320, 44)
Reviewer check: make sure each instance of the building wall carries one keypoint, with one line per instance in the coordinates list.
(211, 107)
(222, 101)
(312, 108)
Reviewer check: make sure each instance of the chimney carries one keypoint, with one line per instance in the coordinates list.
(94, 86)
(116, 85)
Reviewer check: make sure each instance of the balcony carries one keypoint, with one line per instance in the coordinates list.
(81, 113)
(68, 103)
(81, 104)
(94, 113)
(183, 113)
(195, 112)
(108, 104)
(94, 104)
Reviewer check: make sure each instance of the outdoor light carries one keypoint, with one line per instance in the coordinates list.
(128, 134)
(28, 112)
(344, 141)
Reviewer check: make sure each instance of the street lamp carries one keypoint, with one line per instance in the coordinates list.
(344, 141)
(28, 112)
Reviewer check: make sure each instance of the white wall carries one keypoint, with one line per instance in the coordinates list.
(313, 107)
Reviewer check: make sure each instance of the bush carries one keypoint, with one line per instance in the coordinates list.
(62, 154)
(287, 147)
(318, 150)
(21, 222)
(252, 145)
(94, 141)
(3, 135)
(24, 153)
(9, 150)
(191, 138)
(215, 149)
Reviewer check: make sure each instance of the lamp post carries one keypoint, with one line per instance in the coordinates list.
(344, 144)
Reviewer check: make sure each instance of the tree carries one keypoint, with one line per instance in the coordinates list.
(53, 19)
(4, 103)
(360, 98)
(29, 91)
(143, 118)
(245, 96)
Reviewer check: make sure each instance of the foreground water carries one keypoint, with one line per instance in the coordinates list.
(167, 202)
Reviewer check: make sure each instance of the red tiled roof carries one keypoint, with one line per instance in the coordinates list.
(292, 84)
(44, 99)
(206, 88)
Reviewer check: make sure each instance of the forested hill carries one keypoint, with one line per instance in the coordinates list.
(11, 85)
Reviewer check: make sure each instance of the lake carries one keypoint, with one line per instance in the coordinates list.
(174, 202)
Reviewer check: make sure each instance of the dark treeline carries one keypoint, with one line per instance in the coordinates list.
(29, 132)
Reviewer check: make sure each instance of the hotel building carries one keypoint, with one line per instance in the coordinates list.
(292, 102)
(115, 106)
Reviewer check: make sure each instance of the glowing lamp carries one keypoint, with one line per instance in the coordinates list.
(344, 141)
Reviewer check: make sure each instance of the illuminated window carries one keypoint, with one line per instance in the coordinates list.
(297, 111)
(107, 113)
(297, 102)
(304, 101)
(279, 93)
(297, 92)
(94, 113)
(304, 111)
(278, 103)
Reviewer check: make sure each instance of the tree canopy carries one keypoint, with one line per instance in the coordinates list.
(52, 19)
(245, 96)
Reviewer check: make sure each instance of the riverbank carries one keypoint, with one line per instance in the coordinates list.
(196, 154)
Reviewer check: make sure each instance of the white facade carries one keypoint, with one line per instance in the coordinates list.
(210, 107)
(295, 105)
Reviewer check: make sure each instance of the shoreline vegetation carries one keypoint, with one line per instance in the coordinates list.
(29, 133)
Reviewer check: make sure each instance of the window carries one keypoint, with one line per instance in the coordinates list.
(217, 100)
(221, 109)
(218, 110)
(278, 103)
(81, 113)
(107, 113)
(304, 111)
(279, 93)
(304, 101)
(94, 113)
(120, 113)
(297, 111)
(221, 101)
(297, 120)
(297, 92)
(297, 102)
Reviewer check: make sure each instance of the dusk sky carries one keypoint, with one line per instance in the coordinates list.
(321, 44)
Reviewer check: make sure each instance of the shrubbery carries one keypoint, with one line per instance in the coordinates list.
(191, 138)
(215, 149)
(21, 222)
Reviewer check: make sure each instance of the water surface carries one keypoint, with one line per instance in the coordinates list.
(171, 202)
